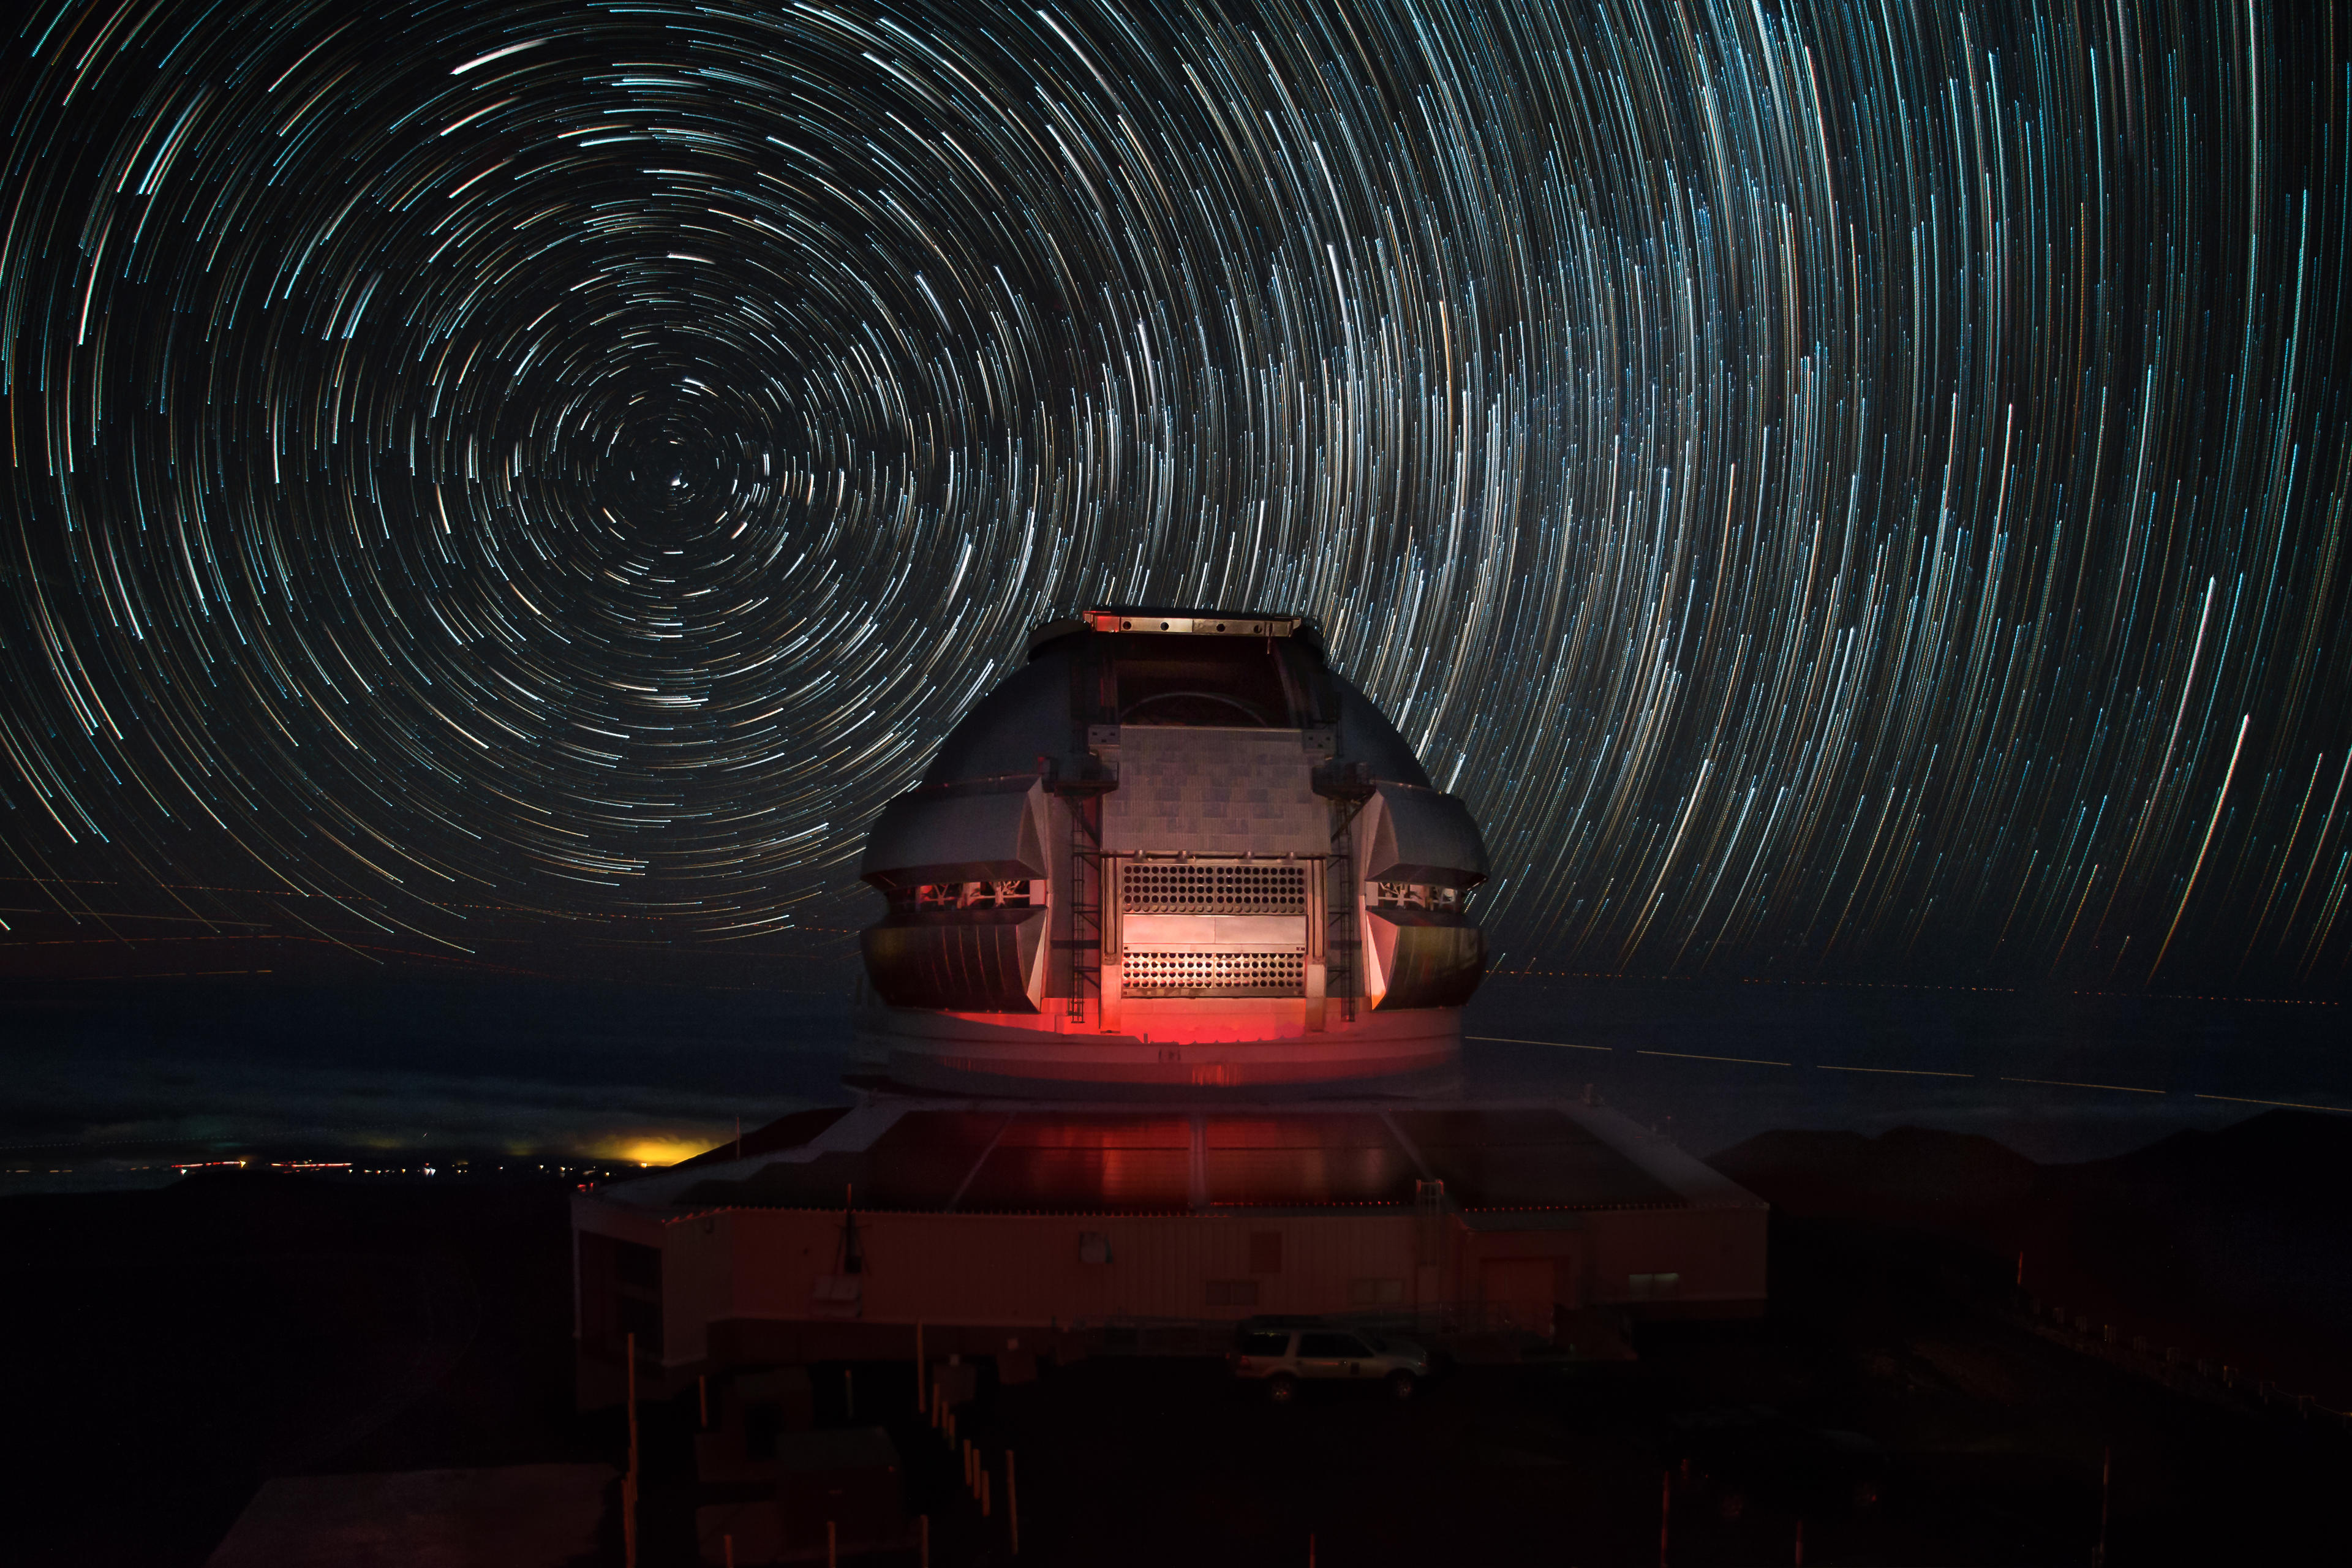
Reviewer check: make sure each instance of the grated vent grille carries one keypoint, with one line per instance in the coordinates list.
(1148, 974)
(1161, 888)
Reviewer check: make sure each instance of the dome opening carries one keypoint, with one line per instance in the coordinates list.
(1227, 685)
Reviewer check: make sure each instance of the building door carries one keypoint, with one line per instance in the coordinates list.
(1519, 1292)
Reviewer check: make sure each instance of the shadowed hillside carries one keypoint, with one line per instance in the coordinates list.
(2226, 1244)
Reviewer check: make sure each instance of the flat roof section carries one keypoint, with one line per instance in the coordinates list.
(980, 1158)
(789, 1131)
(1061, 1162)
(1528, 1159)
(1306, 1161)
(918, 1163)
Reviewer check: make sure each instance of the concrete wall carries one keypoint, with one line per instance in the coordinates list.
(1013, 1272)
(1718, 1254)
(1023, 1269)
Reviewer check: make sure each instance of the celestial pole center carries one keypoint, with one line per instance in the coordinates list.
(1839, 490)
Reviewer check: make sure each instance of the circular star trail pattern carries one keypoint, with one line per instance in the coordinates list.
(1839, 489)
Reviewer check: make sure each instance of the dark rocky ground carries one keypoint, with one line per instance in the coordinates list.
(173, 1348)
(1992, 1441)
(2228, 1245)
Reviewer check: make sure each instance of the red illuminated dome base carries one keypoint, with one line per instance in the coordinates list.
(1173, 852)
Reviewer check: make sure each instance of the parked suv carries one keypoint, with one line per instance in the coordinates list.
(1281, 1353)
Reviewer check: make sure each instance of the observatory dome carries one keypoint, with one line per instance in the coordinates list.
(1173, 852)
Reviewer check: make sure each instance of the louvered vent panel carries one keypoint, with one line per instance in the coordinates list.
(1161, 888)
(1151, 974)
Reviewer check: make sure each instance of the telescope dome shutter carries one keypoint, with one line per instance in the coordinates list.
(977, 832)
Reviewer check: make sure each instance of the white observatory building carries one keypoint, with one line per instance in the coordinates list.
(1171, 858)
(1173, 851)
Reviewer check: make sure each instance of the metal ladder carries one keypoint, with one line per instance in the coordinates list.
(1085, 882)
(1340, 940)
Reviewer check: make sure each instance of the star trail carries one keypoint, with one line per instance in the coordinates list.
(1840, 489)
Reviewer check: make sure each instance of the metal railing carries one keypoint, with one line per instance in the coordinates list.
(1434, 1321)
(2216, 1381)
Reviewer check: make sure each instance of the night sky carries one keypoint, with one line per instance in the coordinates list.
(1843, 490)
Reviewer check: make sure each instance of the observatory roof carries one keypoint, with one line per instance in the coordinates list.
(1168, 667)
(1174, 620)
(990, 1157)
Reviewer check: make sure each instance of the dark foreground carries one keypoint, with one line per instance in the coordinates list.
(174, 1348)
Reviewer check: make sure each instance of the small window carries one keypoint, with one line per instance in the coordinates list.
(1263, 1343)
(1414, 896)
(1653, 1287)
(1265, 1252)
(1232, 1292)
(998, 895)
(1375, 1292)
(1332, 1347)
